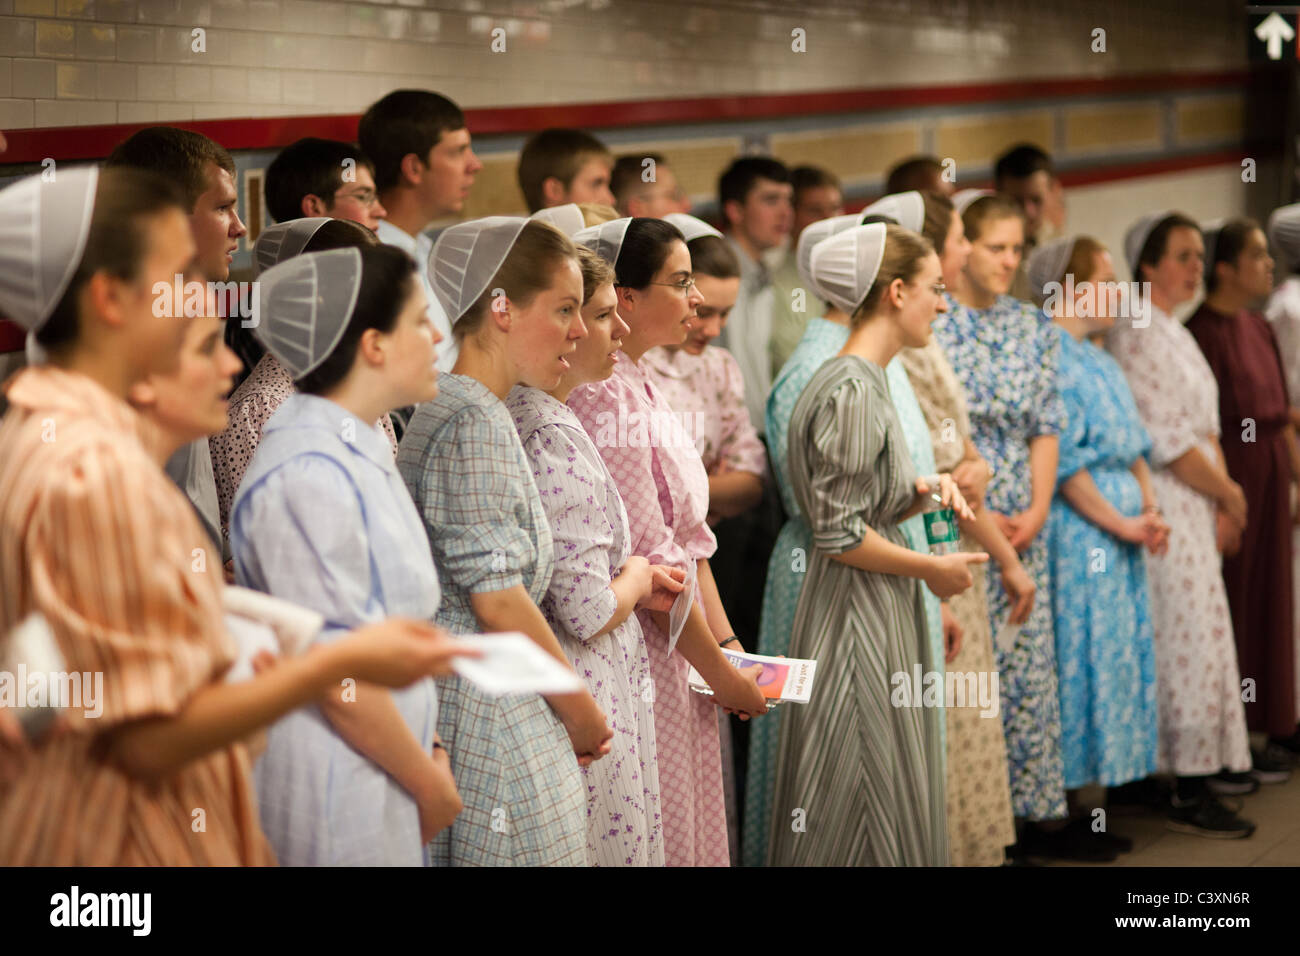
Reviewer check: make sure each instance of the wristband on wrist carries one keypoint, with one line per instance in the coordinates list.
(728, 641)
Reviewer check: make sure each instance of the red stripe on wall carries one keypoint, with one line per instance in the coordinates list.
(94, 142)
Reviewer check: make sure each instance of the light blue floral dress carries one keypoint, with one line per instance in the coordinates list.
(1104, 642)
(1006, 358)
(785, 570)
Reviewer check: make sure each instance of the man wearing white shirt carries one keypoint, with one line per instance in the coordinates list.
(424, 168)
(755, 196)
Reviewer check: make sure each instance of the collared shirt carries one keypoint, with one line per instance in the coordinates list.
(418, 248)
(95, 538)
(748, 332)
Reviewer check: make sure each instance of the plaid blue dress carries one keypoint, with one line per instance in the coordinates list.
(515, 769)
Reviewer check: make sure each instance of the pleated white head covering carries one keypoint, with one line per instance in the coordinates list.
(43, 230)
(1137, 236)
(846, 264)
(567, 218)
(962, 198)
(813, 234)
(690, 227)
(1047, 264)
(285, 240)
(467, 256)
(304, 306)
(1284, 231)
(907, 209)
(606, 239)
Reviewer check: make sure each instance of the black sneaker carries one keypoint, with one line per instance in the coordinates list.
(1290, 744)
(1271, 765)
(1150, 794)
(1075, 842)
(1227, 783)
(1205, 816)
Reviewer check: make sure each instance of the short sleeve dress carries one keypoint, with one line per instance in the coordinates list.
(327, 523)
(868, 775)
(590, 533)
(1005, 357)
(1101, 606)
(657, 470)
(1198, 686)
(518, 778)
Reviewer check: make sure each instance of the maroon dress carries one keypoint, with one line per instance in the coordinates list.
(1243, 354)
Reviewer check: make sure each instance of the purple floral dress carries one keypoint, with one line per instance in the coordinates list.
(590, 534)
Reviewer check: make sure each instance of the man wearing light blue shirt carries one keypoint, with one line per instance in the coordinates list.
(424, 168)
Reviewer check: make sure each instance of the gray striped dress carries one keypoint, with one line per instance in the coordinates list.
(859, 782)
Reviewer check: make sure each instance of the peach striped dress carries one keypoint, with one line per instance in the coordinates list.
(94, 536)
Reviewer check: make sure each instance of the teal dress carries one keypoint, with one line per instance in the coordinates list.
(793, 549)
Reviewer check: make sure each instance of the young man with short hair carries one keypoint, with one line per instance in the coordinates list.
(558, 166)
(323, 177)
(424, 167)
(817, 196)
(754, 194)
(920, 173)
(205, 174)
(644, 184)
(1026, 175)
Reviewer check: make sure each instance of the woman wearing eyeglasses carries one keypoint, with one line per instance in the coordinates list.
(665, 489)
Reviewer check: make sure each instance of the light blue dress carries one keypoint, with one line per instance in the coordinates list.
(1105, 653)
(323, 519)
(1006, 358)
(785, 570)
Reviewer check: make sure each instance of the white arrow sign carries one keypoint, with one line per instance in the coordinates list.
(1273, 32)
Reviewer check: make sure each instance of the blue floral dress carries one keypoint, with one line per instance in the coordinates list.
(785, 570)
(1105, 652)
(1006, 358)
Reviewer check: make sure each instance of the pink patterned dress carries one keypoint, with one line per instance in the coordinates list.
(652, 457)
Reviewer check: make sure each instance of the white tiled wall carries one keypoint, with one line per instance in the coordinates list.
(75, 62)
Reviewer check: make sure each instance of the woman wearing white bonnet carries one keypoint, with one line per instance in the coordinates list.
(269, 383)
(664, 488)
(873, 768)
(1105, 508)
(513, 292)
(1202, 718)
(79, 265)
(322, 519)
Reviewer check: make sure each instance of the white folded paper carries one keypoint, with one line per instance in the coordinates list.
(513, 664)
(681, 608)
(259, 622)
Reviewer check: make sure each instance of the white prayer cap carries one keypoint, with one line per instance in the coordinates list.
(43, 230)
(1137, 236)
(1210, 233)
(846, 264)
(1284, 231)
(285, 240)
(1047, 264)
(962, 198)
(606, 239)
(907, 209)
(467, 256)
(304, 305)
(690, 227)
(567, 218)
(814, 233)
